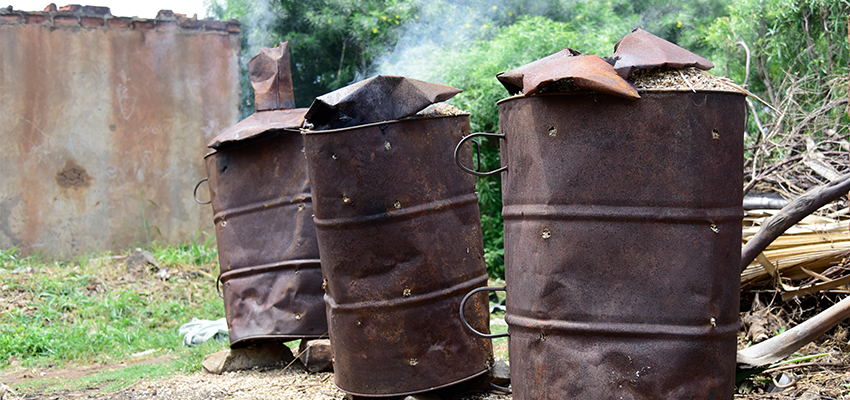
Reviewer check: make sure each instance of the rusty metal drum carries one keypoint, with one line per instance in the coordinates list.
(622, 244)
(400, 241)
(271, 277)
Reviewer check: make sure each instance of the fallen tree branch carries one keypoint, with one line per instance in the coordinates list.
(792, 213)
(779, 347)
(801, 365)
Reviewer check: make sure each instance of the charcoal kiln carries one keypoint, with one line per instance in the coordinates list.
(622, 218)
(399, 235)
(271, 278)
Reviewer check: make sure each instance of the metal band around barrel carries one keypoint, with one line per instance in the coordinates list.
(407, 302)
(260, 206)
(620, 329)
(398, 215)
(622, 213)
(259, 269)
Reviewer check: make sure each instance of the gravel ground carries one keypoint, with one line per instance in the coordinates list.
(258, 384)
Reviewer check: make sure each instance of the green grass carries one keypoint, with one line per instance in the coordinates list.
(96, 311)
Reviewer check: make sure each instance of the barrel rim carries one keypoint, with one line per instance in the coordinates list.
(642, 91)
(427, 389)
(306, 132)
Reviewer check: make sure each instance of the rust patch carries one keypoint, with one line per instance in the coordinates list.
(72, 176)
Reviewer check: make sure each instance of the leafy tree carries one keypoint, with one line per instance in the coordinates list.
(799, 58)
(796, 37)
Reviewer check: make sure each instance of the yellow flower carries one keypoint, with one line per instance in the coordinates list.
(678, 24)
(495, 7)
(396, 22)
(468, 26)
(510, 14)
(383, 18)
(329, 21)
(485, 26)
(375, 30)
(396, 17)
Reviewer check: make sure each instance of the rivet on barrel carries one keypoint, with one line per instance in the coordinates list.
(715, 134)
(300, 207)
(406, 292)
(552, 131)
(714, 228)
(387, 145)
(414, 361)
(334, 156)
(397, 204)
(546, 233)
(223, 223)
(346, 199)
(297, 316)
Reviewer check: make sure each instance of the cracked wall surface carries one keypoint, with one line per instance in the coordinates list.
(104, 126)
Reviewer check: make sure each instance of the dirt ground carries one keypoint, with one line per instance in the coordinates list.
(828, 378)
(292, 383)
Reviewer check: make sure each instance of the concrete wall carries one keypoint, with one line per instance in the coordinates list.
(103, 127)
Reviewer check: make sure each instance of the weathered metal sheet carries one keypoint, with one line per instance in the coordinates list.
(400, 241)
(376, 99)
(643, 50)
(271, 77)
(259, 124)
(622, 244)
(584, 71)
(271, 276)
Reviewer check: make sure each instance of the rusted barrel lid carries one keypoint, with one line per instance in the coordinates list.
(271, 77)
(376, 99)
(643, 50)
(258, 124)
(567, 67)
(570, 71)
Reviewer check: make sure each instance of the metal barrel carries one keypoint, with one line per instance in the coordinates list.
(271, 277)
(400, 241)
(622, 244)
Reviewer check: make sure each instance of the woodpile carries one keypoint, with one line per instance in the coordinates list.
(810, 257)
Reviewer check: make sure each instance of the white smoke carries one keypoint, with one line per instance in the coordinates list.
(443, 25)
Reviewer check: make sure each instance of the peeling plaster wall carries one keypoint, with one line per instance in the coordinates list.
(104, 124)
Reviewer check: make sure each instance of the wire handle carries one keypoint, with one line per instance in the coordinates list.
(477, 172)
(463, 317)
(195, 193)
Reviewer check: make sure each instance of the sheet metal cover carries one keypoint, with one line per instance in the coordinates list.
(376, 99)
(271, 77)
(643, 50)
(258, 124)
(587, 71)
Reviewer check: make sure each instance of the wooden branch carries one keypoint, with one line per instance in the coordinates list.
(792, 213)
(779, 347)
(816, 288)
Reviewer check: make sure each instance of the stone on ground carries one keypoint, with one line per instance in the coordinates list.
(316, 355)
(259, 355)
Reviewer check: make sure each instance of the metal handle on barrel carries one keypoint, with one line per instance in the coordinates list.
(474, 172)
(463, 318)
(195, 193)
(484, 335)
